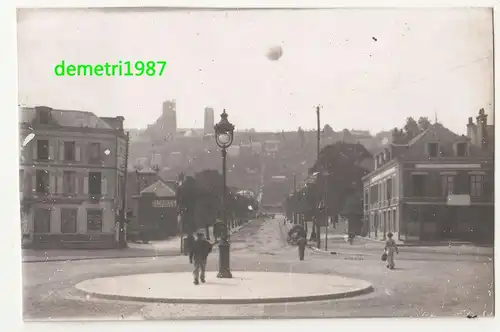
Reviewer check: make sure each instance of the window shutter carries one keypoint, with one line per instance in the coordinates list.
(85, 185)
(77, 183)
(33, 182)
(35, 143)
(26, 182)
(52, 182)
(61, 150)
(78, 152)
(60, 188)
(51, 150)
(104, 186)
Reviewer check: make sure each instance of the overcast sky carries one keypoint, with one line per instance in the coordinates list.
(369, 69)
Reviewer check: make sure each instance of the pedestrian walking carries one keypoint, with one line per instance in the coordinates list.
(390, 249)
(302, 242)
(199, 251)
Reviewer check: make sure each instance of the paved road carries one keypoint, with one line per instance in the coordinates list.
(424, 284)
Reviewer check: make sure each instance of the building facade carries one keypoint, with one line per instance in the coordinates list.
(436, 186)
(71, 176)
(157, 212)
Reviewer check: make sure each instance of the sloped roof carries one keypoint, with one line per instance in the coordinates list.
(160, 189)
(446, 138)
(67, 118)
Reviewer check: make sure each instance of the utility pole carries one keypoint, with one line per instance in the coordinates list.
(325, 200)
(121, 232)
(318, 148)
(294, 199)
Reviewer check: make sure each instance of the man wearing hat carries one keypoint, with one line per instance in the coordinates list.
(199, 251)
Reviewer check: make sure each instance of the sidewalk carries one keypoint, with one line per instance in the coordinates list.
(361, 244)
(169, 247)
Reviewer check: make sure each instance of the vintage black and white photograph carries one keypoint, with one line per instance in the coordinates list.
(181, 164)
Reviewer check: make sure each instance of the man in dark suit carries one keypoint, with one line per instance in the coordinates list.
(199, 252)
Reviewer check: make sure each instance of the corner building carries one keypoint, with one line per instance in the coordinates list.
(436, 186)
(71, 176)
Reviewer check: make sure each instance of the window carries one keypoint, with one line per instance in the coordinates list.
(448, 185)
(42, 181)
(394, 220)
(69, 151)
(388, 221)
(44, 116)
(389, 190)
(42, 220)
(21, 180)
(373, 194)
(95, 152)
(94, 183)
(418, 181)
(433, 149)
(69, 182)
(42, 149)
(94, 220)
(461, 149)
(476, 185)
(68, 220)
(365, 200)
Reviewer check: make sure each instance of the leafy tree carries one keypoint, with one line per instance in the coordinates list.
(327, 130)
(411, 127)
(423, 123)
(209, 184)
(339, 176)
(187, 197)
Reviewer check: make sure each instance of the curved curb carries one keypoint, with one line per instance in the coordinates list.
(75, 259)
(308, 298)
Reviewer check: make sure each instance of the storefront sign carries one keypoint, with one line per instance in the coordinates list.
(164, 203)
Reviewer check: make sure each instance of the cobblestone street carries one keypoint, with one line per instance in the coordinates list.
(423, 283)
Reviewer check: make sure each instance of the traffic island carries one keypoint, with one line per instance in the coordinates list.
(244, 288)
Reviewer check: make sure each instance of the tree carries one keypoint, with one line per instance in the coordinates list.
(411, 127)
(327, 130)
(339, 176)
(187, 197)
(209, 184)
(423, 123)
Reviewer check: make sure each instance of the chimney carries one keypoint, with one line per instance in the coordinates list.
(119, 120)
(482, 134)
(472, 132)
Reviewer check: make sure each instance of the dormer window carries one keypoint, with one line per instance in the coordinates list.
(461, 149)
(433, 149)
(44, 116)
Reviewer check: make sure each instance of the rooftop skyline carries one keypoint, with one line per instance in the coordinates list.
(369, 69)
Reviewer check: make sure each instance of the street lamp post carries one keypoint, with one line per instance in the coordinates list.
(224, 135)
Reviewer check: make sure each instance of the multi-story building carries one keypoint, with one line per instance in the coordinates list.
(436, 186)
(71, 177)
